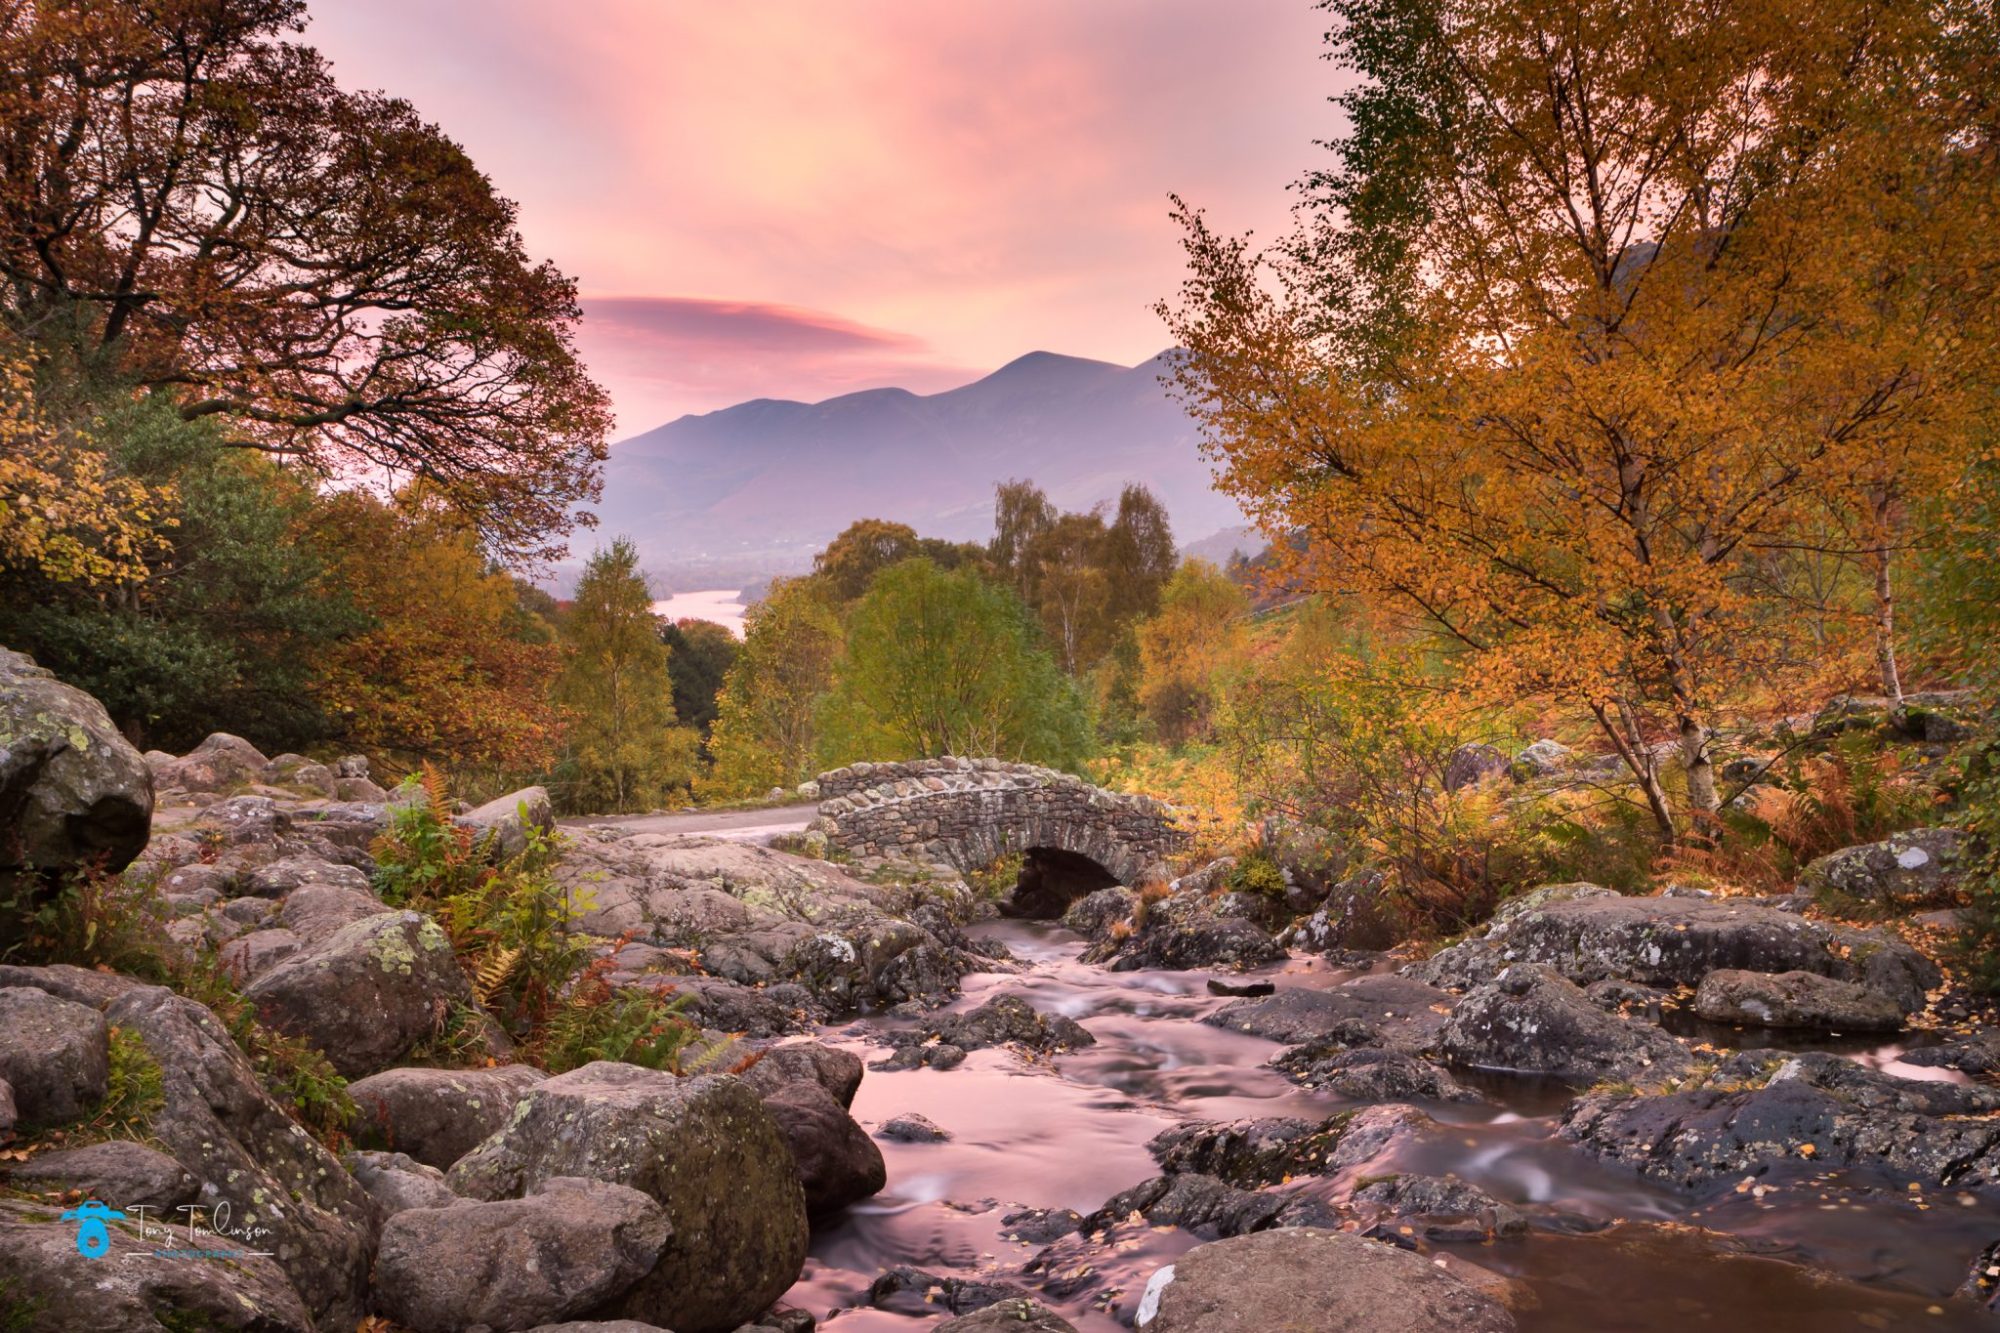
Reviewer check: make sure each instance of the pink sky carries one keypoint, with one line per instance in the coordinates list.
(796, 198)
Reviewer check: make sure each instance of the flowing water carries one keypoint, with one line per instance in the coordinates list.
(1608, 1252)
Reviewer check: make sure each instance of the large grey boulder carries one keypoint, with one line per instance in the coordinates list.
(1794, 1000)
(572, 1247)
(1675, 941)
(1310, 1279)
(368, 993)
(128, 1174)
(438, 1115)
(1904, 872)
(1393, 1012)
(1531, 1019)
(221, 763)
(705, 1149)
(838, 1163)
(46, 1287)
(55, 1053)
(398, 1182)
(73, 792)
(505, 823)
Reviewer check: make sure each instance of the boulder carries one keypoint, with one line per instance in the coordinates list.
(1531, 1019)
(1252, 1154)
(1389, 1011)
(55, 1053)
(838, 1163)
(46, 1287)
(368, 992)
(916, 1292)
(1441, 1208)
(124, 1173)
(1018, 1315)
(73, 793)
(705, 1149)
(1209, 1207)
(1367, 1074)
(1185, 932)
(1471, 764)
(911, 1128)
(838, 1071)
(505, 823)
(1673, 941)
(280, 877)
(437, 1115)
(316, 911)
(1759, 1109)
(398, 1182)
(1794, 1000)
(1542, 759)
(1904, 872)
(219, 764)
(1308, 1278)
(10, 1113)
(572, 1247)
(1093, 915)
(1008, 1020)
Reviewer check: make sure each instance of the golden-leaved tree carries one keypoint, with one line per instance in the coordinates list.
(1597, 303)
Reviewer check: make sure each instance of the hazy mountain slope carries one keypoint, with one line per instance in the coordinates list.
(763, 484)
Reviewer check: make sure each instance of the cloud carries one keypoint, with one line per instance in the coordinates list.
(660, 355)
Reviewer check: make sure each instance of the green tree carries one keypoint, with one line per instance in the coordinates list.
(944, 662)
(765, 734)
(624, 750)
(1139, 554)
(699, 655)
(868, 546)
(1021, 513)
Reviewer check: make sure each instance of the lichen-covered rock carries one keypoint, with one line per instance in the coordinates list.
(45, 1287)
(1369, 1074)
(1442, 1207)
(910, 1127)
(437, 1115)
(1093, 915)
(1794, 1000)
(1017, 1315)
(73, 792)
(1760, 1108)
(1209, 1207)
(1393, 1012)
(367, 993)
(1188, 930)
(1309, 1278)
(55, 1053)
(1673, 941)
(1531, 1019)
(1542, 759)
(572, 1247)
(1904, 872)
(398, 1182)
(505, 824)
(1009, 1020)
(221, 763)
(126, 1173)
(705, 1149)
(280, 877)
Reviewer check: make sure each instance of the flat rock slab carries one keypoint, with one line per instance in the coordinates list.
(1794, 1000)
(1390, 1011)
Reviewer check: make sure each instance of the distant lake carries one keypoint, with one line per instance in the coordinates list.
(722, 605)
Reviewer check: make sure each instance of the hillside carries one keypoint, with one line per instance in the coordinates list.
(759, 487)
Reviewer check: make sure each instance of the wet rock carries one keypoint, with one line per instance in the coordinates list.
(1904, 872)
(1010, 1316)
(1008, 1020)
(911, 1128)
(1187, 933)
(772, 1011)
(1471, 764)
(572, 1247)
(1442, 1208)
(1093, 915)
(1039, 1226)
(1759, 1109)
(45, 1287)
(913, 1291)
(838, 1163)
(1978, 1054)
(368, 993)
(437, 1115)
(1794, 1000)
(1389, 1011)
(1306, 1278)
(54, 1053)
(505, 824)
(1531, 1019)
(838, 1071)
(1368, 1074)
(1677, 942)
(125, 1173)
(1241, 989)
(398, 1182)
(72, 791)
(1209, 1207)
(615, 1326)
(1627, 998)
(704, 1148)
(1251, 1154)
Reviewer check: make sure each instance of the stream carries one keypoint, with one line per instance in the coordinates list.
(1607, 1250)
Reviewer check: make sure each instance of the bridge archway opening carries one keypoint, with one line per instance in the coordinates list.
(1051, 879)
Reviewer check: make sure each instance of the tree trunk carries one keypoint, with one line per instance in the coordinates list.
(1638, 760)
(1885, 626)
(1700, 766)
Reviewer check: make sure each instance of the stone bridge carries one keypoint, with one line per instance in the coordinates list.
(969, 813)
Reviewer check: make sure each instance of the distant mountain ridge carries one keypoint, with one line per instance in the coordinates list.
(758, 487)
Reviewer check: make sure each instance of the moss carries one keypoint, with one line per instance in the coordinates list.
(18, 1312)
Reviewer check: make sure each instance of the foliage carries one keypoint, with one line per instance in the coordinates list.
(1257, 872)
(622, 749)
(941, 663)
(1084, 580)
(1186, 650)
(868, 546)
(699, 655)
(765, 732)
(637, 1026)
(1594, 309)
(191, 196)
(424, 855)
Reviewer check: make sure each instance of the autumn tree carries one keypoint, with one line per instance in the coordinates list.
(765, 733)
(623, 749)
(1071, 590)
(187, 195)
(1592, 304)
(940, 663)
(1184, 651)
(1021, 514)
(1139, 554)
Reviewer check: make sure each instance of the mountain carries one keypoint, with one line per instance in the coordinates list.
(759, 487)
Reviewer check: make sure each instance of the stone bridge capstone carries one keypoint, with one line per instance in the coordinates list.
(968, 813)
